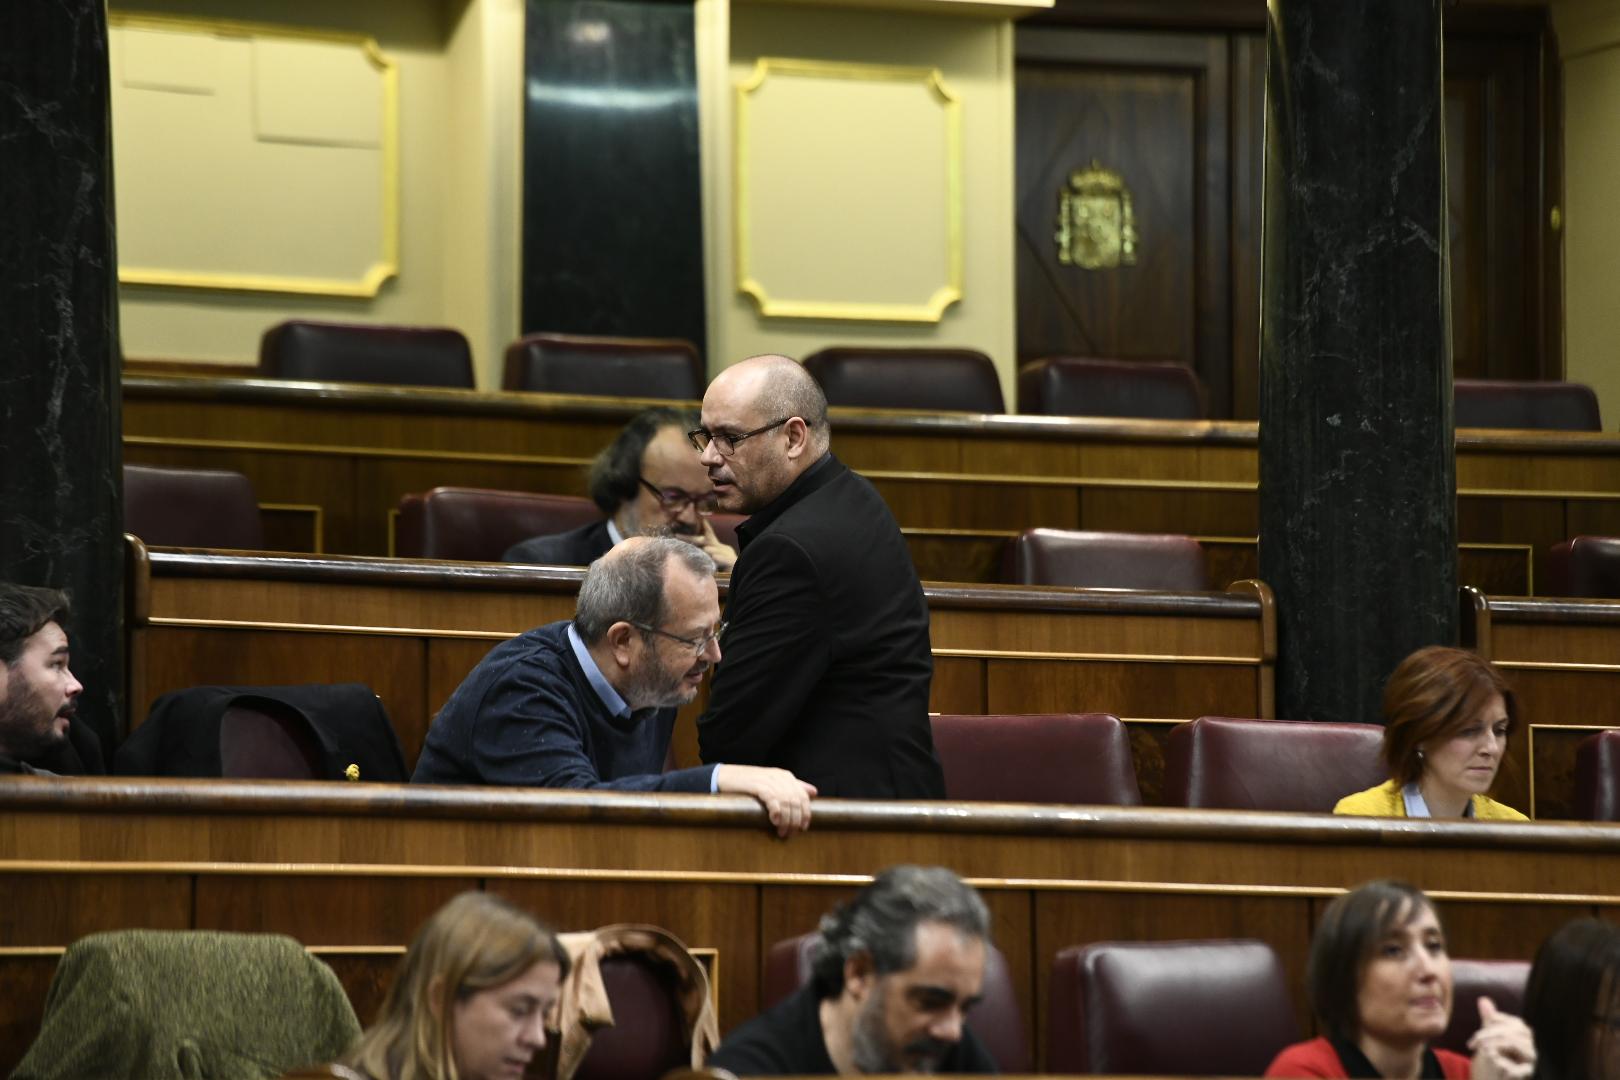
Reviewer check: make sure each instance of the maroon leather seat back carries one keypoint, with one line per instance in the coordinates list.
(1502, 981)
(647, 1038)
(478, 524)
(996, 1019)
(941, 380)
(1077, 386)
(1597, 777)
(310, 351)
(1106, 560)
(615, 367)
(1173, 1008)
(208, 508)
(1038, 758)
(1587, 566)
(1506, 403)
(1219, 762)
(267, 742)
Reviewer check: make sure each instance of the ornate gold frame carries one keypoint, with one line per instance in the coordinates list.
(387, 265)
(946, 294)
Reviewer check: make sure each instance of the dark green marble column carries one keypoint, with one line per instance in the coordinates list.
(1358, 520)
(60, 459)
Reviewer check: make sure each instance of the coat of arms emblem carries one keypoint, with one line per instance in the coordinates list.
(1096, 228)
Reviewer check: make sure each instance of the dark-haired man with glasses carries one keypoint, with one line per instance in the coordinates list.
(827, 664)
(590, 703)
(646, 481)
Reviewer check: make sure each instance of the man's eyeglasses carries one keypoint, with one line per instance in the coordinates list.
(674, 500)
(727, 444)
(699, 646)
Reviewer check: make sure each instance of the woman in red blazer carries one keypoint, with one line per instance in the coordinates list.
(1380, 982)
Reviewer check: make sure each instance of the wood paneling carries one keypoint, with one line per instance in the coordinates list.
(1560, 657)
(958, 486)
(1180, 115)
(413, 630)
(352, 868)
(1154, 109)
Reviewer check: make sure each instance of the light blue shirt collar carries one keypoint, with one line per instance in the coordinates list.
(615, 704)
(614, 534)
(1417, 807)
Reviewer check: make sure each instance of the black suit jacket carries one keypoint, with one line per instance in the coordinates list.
(576, 547)
(826, 662)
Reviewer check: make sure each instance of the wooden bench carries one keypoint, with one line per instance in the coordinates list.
(351, 870)
(412, 630)
(330, 463)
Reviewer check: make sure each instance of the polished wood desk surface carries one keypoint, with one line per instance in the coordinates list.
(330, 462)
(352, 869)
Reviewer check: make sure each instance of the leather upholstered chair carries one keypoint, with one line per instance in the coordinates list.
(1078, 386)
(305, 350)
(1037, 758)
(610, 366)
(479, 524)
(1507, 403)
(996, 1019)
(1597, 777)
(207, 508)
(1172, 1008)
(1106, 560)
(939, 380)
(1587, 566)
(1219, 762)
(652, 1041)
(1502, 981)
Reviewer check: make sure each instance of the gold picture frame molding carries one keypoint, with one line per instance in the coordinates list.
(948, 293)
(370, 283)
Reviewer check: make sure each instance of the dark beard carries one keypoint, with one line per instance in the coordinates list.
(27, 740)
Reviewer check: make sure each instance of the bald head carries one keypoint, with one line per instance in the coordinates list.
(770, 419)
(779, 386)
(630, 583)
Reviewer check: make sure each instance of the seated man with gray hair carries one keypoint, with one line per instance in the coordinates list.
(591, 703)
(895, 971)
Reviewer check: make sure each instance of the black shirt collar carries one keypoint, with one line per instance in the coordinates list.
(1356, 1064)
(823, 472)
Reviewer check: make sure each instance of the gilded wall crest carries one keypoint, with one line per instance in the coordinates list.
(1096, 228)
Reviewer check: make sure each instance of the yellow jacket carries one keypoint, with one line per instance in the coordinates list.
(1385, 801)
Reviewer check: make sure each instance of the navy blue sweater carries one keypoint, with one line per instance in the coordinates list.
(527, 716)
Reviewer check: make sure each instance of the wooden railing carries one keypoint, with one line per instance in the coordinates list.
(352, 869)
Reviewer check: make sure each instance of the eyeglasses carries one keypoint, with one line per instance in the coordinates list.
(699, 646)
(674, 500)
(727, 444)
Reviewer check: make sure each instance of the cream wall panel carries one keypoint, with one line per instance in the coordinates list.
(240, 147)
(1589, 35)
(974, 58)
(809, 135)
(225, 327)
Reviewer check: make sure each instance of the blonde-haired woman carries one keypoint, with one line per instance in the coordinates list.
(471, 998)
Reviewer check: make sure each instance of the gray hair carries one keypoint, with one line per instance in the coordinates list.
(789, 390)
(629, 586)
(882, 921)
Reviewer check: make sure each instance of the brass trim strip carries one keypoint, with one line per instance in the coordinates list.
(1167, 888)
(339, 450)
(1552, 665)
(498, 635)
(1143, 658)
